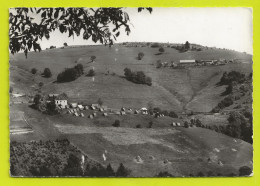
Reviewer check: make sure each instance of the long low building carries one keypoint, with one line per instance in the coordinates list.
(187, 61)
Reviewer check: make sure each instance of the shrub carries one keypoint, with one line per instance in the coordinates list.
(79, 68)
(92, 58)
(11, 89)
(47, 73)
(161, 49)
(158, 64)
(187, 45)
(116, 123)
(198, 123)
(165, 112)
(69, 74)
(140, 55)
(34, 71)
(91, 73)
(200, 174)
(155, 45)
(137, 77)
(150, 124)
(244, 171)
(164, 174)
(37, 99)
(173, 114)
(148, 81)
(186, 124)
(228, 90)
(156, 110)
(41, 84)
(122, 171)
(138, 126)
(233, 76)
(109, 171)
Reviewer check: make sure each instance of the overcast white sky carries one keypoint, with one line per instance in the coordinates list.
(220, 27)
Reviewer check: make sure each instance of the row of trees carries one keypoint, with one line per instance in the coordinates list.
(70, 74)
(137, 77)
(230, 77)
(240, 126)
(74, 168)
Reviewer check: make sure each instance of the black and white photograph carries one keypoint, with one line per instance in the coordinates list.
(130, 92)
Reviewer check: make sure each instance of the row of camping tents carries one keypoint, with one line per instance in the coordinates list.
(89, 107)
(176, 124)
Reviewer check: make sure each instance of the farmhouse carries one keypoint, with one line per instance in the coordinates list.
(61, 100)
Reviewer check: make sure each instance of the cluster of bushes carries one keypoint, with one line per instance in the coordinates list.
(137, 77)
(226, 102)
(240, 126)
(243, 171)
(91, 73)
(46, 73)
(74, 168)
(229, 78)
(193, 122)
(161, 50)
(155, 45)
(182, 48)
(70, 74)
(116, 123)
(59, 158)
(157, 110)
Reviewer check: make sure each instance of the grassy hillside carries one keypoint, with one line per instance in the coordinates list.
(186, 151)
(175, 89)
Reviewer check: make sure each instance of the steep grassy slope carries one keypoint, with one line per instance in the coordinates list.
(179, 151)
(175, 89)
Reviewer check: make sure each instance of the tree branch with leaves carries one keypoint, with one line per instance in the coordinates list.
(100, 25)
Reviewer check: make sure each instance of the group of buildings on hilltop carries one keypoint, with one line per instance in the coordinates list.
(193, 62)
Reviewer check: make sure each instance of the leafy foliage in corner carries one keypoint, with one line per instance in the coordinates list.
(100, 24)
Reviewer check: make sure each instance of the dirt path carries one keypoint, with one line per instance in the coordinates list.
(195, 92)
(167, 95)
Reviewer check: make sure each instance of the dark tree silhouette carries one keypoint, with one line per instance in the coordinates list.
(140, 55)
(92, 58)
(187, 45)
(25, 32)
(47, 73)
(122, 171)
(34, 71)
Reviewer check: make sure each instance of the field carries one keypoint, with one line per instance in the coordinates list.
(145, 151)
